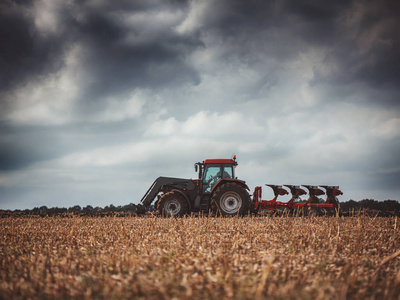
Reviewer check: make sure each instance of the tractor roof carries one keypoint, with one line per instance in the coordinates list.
(220, 161)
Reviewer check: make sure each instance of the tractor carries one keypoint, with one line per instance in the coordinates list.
(219, 191)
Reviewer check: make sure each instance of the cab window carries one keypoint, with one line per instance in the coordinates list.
(210, 177)
(228, 171)
(213, 173)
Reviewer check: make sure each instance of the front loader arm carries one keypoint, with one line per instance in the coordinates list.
(156, 187)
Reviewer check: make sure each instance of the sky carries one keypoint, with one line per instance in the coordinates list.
(99, 98)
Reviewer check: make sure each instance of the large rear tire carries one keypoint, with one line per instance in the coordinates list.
(230, 199)
(173, 204)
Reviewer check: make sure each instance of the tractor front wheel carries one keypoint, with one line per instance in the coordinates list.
(230, 199)
(172, 204)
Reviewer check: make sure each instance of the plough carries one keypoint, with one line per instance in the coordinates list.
(313, 205)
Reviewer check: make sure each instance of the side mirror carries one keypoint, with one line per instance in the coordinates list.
(195, 167)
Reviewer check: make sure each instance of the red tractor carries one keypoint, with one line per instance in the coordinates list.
(218, 190)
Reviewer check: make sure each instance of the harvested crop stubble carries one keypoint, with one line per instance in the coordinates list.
(241, 258)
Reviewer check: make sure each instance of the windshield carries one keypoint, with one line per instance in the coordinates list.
(213, 173)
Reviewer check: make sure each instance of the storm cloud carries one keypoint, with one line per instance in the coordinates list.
(99, 98)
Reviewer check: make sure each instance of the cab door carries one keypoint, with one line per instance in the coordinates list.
(214, 173)
(210, 177)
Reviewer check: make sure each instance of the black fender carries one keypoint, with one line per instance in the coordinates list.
(224, 180)
(184, 195)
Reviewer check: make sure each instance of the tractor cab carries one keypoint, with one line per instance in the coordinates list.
(213, 170)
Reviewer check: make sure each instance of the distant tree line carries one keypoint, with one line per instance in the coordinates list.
(387, 207)
(382, 208)
(88, 210)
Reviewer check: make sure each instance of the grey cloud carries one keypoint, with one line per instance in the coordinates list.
(365, 50)
(118, 66)
(314, 21)
(279, 29)
(370, 54)
(113, 65)
(22, 146)
(24, 53)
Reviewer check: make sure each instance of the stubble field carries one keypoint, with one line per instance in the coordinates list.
(200, 257)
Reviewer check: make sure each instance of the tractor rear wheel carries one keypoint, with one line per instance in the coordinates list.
(230, 199)
(172, 204)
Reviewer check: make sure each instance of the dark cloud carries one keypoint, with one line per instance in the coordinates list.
(120, 58)
(128, 5)
(279, 29)
(366, 49)
(22, 146)
(24, 53)
(360, 39)
(119, 65)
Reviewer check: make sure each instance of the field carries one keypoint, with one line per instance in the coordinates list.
(199, 257)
